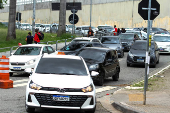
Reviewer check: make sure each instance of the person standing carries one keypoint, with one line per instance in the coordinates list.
(90, 32)
(115, 31)
(36, 36)
(29, 38)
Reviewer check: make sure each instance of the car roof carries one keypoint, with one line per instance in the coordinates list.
(62, 56)
(33, 45)
(84, 38)
(162, 35)
(111, 36)
(98, 48)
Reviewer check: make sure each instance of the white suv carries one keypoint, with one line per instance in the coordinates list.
(85, 39)
(61, 82)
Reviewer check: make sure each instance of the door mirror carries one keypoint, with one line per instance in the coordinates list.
(94, 73)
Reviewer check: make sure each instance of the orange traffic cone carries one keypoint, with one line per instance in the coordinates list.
(19, 44)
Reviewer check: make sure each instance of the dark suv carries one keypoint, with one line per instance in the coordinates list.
(102, 60)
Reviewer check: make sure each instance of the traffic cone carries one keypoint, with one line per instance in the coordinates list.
(19, 44)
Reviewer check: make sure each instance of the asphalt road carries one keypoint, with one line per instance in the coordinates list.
(13, 100)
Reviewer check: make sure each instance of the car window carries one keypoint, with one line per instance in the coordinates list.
(50, 49)
(108, 56)
(110, 40)
(161, 38)
(28, 51)
(45, 50)
(95, 40)
(126, 36)
(63, 67)
(73, 46)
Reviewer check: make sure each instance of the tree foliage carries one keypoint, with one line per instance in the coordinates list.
(1, 3)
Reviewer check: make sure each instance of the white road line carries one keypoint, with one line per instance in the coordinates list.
(104, 89)
(19, 85)
(23, 80)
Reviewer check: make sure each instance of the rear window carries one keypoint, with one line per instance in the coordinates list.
(61, 66)
(126, 36)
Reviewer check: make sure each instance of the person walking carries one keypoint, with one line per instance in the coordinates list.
(29, 38)
(36, 36)
(90, 32)
(115, 31)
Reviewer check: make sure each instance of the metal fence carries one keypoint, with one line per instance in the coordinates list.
(48, 42)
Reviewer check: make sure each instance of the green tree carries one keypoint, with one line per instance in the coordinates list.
(1, 3)
(11, 22)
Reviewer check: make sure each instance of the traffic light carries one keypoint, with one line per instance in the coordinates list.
(18, 16)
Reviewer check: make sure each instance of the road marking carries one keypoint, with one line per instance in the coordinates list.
(20, 85)
(23, 80)
(106, 88)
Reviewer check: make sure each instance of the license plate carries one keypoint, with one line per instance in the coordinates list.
(140, 60)
(161, 49)
(61, 98)
(17, 68)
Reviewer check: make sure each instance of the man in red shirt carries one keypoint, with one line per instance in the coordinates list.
(36, 36)
(115, 30)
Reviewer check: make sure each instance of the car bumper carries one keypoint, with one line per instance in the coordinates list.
(43, 99)
(20, 68)
(134, 61)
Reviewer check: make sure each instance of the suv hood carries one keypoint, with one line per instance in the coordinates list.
(61, 81)
(125, 40)
(163, 44)
(141, 53)
(22, 58)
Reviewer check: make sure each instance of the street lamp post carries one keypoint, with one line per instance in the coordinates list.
(90, 11)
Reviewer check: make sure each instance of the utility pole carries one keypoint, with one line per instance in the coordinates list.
(62, 18)
(33, 22)
(132, 13)
(90, 11)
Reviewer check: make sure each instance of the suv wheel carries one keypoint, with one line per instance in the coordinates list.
(29, 110)
(122, 54)
(128, 65)
(101, 79)
(116, 76)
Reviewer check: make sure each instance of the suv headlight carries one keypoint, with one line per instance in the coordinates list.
(94, 67)
(33, 85)
(130, 54)
(31, 61)
(130, 43)
(88, 88)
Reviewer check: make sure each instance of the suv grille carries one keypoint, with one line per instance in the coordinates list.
(47, 99)
(15, 63)
(136, 57)
(57, 89)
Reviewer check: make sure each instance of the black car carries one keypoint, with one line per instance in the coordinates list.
(127, 39)
(113, 42)
(74, 47)
(137, 53)
(102, 60)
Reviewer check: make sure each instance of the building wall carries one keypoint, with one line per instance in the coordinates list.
(111, 12)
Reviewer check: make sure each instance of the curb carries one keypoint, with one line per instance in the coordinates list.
(125, 108)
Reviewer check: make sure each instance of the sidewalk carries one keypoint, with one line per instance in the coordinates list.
(157, 97)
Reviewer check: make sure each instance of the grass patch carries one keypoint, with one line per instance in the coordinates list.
(22, 34)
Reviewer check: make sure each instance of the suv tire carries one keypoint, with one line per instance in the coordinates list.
(116, 76)
(29, 110)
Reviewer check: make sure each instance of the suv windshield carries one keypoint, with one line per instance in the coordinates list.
(61, 66)
(141, 46)
(73, 46)
(110, 40)
(28, 51)
(88, 54)
(161, 38)
(126, 36)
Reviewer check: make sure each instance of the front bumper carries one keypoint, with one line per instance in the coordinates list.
(20, 68)
(44, 99)
(140, 60)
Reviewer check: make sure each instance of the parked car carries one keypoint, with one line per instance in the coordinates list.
(127, 40)
(54, 28)
(74, 47)
(104, 26)
(163, 42)
(137, 53)
(83, 30)
(24, 26)
(70, 27)
(61, 82)
(37, 26)
(26, 56)
(113, 42)
(45, 27)
(102, 60)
